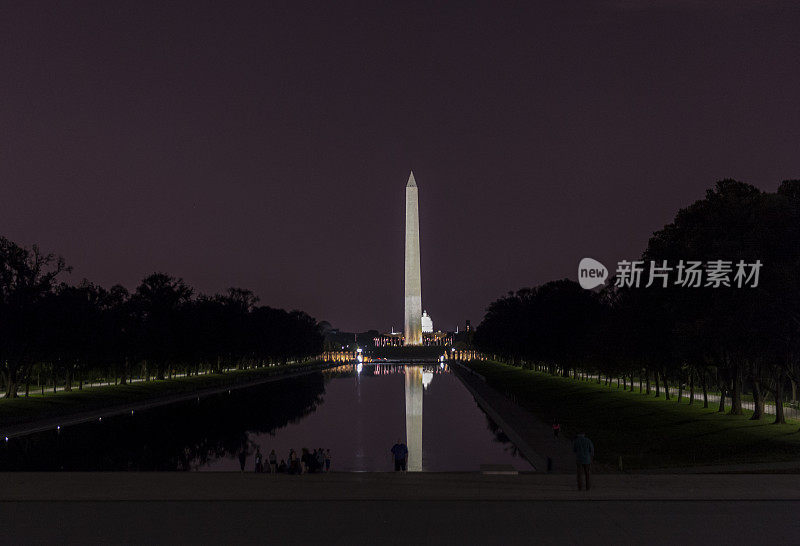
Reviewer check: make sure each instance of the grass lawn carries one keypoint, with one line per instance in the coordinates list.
(647, 432)
(15, 411)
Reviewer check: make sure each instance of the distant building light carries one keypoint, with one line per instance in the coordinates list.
(427, 323)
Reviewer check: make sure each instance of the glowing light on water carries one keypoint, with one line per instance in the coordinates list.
(359, 367)
(414, 388)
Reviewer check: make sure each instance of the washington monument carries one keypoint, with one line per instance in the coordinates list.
(413, 319)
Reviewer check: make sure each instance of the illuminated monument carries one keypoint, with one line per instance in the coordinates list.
(413, 283)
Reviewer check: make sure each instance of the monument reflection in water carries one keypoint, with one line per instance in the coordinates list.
(357, 414)
(414, 392)
(365, 409)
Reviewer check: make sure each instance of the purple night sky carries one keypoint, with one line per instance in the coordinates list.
(267, 145)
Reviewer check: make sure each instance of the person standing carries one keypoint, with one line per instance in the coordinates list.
(556, 428)
(400, 456)
(259, 462)
(242, 458)
(273, 462)
(320, 460)
(584, 454)
(327, 460)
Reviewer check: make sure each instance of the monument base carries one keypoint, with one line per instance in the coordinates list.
(408, 353)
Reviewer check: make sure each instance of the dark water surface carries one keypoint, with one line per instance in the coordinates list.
(357, 415)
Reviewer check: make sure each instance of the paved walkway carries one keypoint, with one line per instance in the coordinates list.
(423, 508)
(391, 522)
(529, 434)
(421, 486)
(89, 384)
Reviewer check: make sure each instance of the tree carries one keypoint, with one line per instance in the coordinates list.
(27, 277)
(158, 303)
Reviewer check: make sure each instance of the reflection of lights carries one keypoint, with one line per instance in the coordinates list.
(441, 365)
(427, 377)
(359, 367)
(360, 359)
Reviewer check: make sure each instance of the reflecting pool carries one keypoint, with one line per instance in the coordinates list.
(357, 413)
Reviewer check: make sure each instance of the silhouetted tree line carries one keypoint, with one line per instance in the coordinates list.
(58, 334)
(733, 340)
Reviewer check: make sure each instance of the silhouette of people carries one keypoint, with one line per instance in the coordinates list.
(312, 461)
(294, 463)
(320, 458)
(242, 458)
(556, 428)
(273, 462)
(584, 454)
(327, 460)
(282, 468)
(259, 462)
(400, 456)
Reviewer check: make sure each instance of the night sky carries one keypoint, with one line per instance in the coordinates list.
(267, 145)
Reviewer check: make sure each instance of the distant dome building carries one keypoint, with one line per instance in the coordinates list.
(429, 336)
(427, 323)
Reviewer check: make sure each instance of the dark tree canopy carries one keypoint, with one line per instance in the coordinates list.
(727, 336)
(65, 331)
